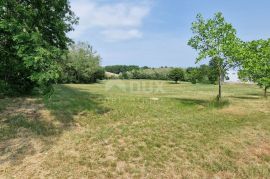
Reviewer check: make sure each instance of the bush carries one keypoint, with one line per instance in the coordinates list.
(99, 74)
(124, 75)
(81, 65)
(177, 74)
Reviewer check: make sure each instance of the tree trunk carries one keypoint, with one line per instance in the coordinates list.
(220, 74)
(219, 87)
(265, 92)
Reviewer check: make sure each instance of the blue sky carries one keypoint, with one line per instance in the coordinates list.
(155, 32)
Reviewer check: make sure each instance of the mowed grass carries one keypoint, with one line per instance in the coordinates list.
(137, 129)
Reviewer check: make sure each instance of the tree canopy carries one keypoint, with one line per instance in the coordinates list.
(32, 41)
(255, 62)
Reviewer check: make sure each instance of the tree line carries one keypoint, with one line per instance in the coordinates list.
(117, 69)
(203, 74)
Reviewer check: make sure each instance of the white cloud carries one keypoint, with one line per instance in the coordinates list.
(114, 21)
(120, 35)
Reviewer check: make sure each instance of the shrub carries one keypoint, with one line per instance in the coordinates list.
(81, 65)
(177, 74)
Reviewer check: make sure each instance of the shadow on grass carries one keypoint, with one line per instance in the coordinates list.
(11, 126)
(3, 104)
(246, 97)
(16, 136)
(254, 95)
(259, 94)
(206, 103)
(66, 102)
(178, 82)
(23, 127)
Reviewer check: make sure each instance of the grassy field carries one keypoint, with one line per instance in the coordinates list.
(137, 129)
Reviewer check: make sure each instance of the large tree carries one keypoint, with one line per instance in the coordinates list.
(254, 62)
(32, 40)
(214, 39)
(81, 65)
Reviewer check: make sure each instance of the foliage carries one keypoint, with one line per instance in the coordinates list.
(192, 75)
(124, 75)
(203, 74)
(32, 40)
(177, 74)
(213, 72)
(215, 39)
(255, 63)
(81, 65)
(147, 73)
(117, 69)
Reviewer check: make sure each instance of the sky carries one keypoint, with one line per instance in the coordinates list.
(155, 32)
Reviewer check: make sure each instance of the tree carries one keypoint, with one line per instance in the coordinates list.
(81, 65)
(32, 41)
(192, 74)
(215, 39)
(177, 74)
(255, 63)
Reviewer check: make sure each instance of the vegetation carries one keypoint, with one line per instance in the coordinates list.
(148, 73)
(255, 63)
(32, 41)
(214, 38)
(117, 69)
(177, 74)
(204, 74)
(95, 131)
(81, 65)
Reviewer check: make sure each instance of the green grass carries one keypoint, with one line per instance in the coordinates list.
(141, 128)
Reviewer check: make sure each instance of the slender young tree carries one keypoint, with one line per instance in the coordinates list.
(215, 39)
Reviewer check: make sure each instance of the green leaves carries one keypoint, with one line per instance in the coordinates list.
(255, 62)
(81, 65)
(212, 37)
(33, 39)
(177, 74)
